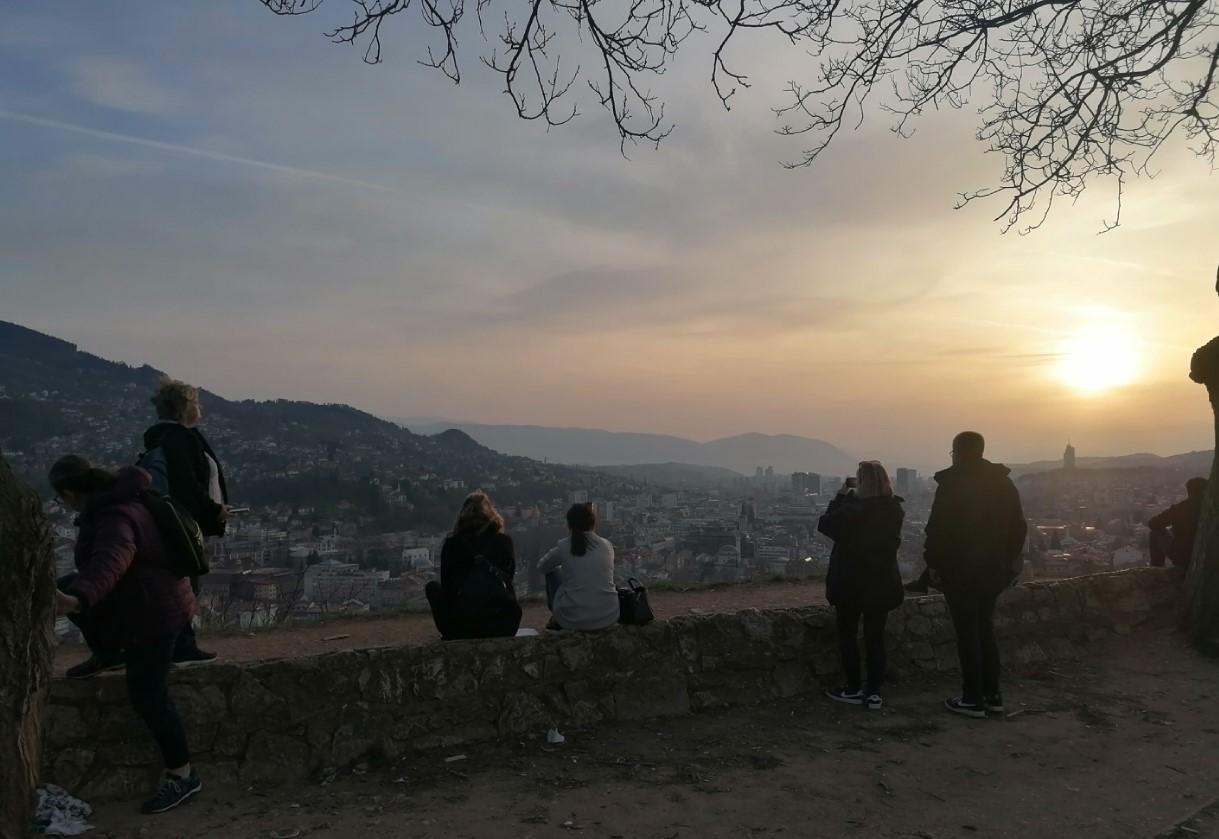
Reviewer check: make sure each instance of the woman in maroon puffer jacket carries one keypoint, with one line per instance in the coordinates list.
(126, 600)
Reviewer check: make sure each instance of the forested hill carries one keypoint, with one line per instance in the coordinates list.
(56, 399)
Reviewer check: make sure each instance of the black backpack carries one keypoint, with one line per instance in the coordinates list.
(185, 549)
(486, 593)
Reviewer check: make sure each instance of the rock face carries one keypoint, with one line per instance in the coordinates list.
(26, 643)
(286, 720)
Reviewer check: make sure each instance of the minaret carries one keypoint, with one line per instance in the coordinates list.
(1068, 457)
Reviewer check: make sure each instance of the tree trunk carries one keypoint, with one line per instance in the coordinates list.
(26, 643)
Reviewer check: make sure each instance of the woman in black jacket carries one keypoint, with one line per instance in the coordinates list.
(864, 580)
(475, 597)
(184, 467)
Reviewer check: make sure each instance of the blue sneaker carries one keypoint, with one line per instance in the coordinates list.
(172, 791)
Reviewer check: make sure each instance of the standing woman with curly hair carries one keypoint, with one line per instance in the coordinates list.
(184, 467)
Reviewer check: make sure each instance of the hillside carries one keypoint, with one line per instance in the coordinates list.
(585, 446)
(56, 399)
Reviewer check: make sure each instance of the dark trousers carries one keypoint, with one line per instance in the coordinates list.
(187, 643)
(973, 618)
(553, 581)
(501, 623)
(874, 646)
(1163, 545)
(148, 668)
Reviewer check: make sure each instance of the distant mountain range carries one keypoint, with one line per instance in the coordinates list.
(591, 447)
(56, 399)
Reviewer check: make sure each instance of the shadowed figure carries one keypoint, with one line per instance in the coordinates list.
(1202, 613)
(1174, 531)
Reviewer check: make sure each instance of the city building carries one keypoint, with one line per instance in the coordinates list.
(906, 480)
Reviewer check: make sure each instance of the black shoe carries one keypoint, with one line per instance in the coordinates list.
(96, 664)
(993, 704)
(171, 792)
(846, 695)
(958, 705)
(191, 658)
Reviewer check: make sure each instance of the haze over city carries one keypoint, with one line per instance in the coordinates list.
(284, 221)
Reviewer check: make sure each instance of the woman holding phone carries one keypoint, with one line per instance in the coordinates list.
(865, 522)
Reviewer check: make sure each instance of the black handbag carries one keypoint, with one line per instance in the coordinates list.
(633, 606)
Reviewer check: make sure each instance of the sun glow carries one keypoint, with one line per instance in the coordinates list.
(1099, 357)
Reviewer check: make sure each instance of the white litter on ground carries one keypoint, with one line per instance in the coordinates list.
(59, 814)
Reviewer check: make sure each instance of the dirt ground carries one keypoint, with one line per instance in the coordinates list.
(417, 627)
(1124, 746)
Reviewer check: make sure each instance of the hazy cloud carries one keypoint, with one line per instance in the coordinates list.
(120, 84)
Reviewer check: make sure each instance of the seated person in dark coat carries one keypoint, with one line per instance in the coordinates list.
(474, 597)
(1173, 531)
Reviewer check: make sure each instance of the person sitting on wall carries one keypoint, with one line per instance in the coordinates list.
(125, 597)
(1173, 531)
(475, 597)
(579, 571)
(865, 522)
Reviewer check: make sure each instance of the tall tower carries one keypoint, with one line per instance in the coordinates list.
(1068, 457)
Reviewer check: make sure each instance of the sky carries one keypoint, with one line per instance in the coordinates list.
(229, 197)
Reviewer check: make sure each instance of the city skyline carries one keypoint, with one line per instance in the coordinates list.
(411, 248)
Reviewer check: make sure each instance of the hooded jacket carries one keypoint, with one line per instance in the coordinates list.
(863, 564)
(126, 589)
(976, 530)
(186, 453)
(1183, 518)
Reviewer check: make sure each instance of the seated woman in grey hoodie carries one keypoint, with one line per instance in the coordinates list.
(579, 573)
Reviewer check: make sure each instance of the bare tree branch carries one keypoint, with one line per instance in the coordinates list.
(1070, 90)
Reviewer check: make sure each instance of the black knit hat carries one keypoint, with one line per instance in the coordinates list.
(68, 470)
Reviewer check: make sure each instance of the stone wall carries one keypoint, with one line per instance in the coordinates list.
(286, 719)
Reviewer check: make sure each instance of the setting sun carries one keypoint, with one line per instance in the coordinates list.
(1099, 357)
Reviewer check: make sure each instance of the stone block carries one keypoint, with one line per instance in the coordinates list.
(201, 703)
(250, 700)
(230, 740)
(523, 713)
(575, 655)
(654, 696)
(119, 782)
(70, 767)
(918, 626)
(65, 725)
(273, 758)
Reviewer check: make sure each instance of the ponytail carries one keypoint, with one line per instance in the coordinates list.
(581, 520)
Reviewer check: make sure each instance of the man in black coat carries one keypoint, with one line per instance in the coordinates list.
(975, 539)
